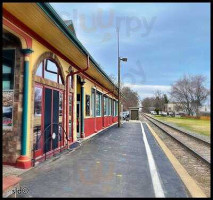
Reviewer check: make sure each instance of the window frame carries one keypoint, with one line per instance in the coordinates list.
(109, 106)
(99, 94)
(106, 106)
(9, 127)
(87, 111)
(12, 68)
(44, 63)
(92, 107)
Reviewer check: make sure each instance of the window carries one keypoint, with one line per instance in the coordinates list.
(115, 108)
(98, 104)
(37, 135)
(8, 61)
(105, 106)
(110, 107)
(37, 116)
(8, 69)
(48, 69)
(60, 104)
(37, 101)
(87, 105)
(93, 103)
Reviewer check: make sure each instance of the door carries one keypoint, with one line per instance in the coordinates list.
(134, 114)
(51, 119)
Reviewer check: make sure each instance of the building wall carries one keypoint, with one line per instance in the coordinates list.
(94, 124)
(12, 138)
(11, 146)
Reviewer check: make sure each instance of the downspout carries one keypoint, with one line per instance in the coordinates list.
(67, 92)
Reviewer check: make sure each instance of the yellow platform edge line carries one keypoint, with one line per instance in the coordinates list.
(189, 182)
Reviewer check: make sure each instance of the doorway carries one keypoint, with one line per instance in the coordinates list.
(49, 119)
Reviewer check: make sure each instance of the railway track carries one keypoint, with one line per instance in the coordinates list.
(195, 145)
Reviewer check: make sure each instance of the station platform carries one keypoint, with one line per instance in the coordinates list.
(119, 162)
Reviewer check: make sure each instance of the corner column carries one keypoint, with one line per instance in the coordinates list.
(24, 161)
(95, 108)
(82, 109)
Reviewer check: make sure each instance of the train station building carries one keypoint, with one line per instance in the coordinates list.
(54, 92)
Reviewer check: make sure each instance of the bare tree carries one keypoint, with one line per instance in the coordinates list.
(147, 104)
(131, 98)
(157, 102)
(198, 92)
(189, 92)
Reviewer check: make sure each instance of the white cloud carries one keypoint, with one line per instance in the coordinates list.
(148, 90)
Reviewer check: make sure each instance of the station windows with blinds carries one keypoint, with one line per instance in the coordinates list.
(115, 108)
(110, 107)
(98, 104)
(106, 106)
(93, 103)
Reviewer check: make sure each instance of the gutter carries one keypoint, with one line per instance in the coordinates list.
(67, 92)
(52, 14)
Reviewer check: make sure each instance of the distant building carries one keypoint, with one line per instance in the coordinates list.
(174, 107)
(205, 110)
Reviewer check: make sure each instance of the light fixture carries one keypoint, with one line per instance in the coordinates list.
(123, 59)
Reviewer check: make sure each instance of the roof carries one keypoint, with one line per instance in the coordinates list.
(70, 25)
(134, 108)
(49, 29)
(48, 9)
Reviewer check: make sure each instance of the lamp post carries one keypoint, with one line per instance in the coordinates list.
(119, 69)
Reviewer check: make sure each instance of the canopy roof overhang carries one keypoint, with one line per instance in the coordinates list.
(42, 21)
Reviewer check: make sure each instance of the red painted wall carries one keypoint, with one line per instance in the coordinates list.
(110, 120)
(115, 119)
(99, 123)
(105, 121)
(89, 126)
(90, 123)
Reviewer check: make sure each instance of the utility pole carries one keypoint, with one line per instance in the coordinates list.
(119, 69)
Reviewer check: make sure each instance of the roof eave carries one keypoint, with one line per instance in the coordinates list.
(52, 14)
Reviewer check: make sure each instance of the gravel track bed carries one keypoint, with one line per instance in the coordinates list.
(196, 168)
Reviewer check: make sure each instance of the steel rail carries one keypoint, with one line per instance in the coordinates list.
(180, 142)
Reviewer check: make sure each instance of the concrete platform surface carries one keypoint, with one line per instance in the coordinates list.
(112, 164)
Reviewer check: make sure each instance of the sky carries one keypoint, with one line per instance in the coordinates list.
(162, 41)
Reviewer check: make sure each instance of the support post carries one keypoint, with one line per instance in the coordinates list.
(82, 109)
(95, 108)
(24, 161)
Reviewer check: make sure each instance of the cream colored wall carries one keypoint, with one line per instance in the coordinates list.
(87, 91)
(39, 49)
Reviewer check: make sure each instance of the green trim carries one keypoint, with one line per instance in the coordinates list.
(27, 51)
(25, 109)
(52, 14)
(82, 109)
